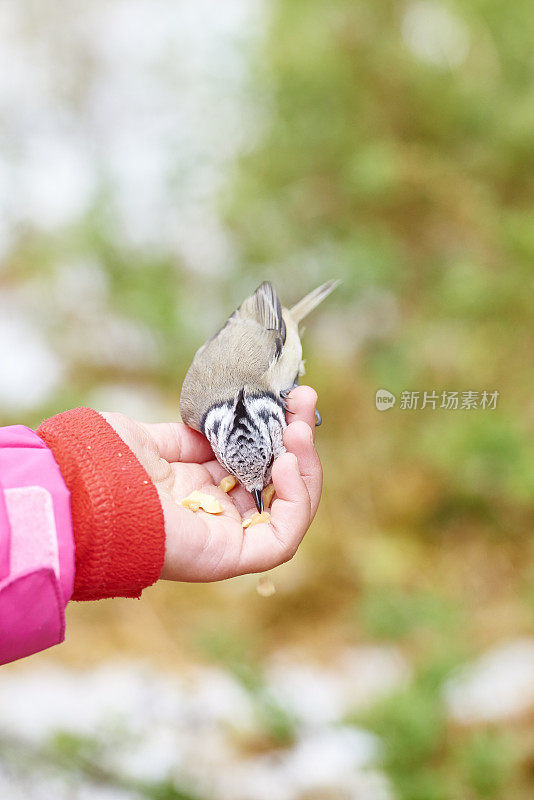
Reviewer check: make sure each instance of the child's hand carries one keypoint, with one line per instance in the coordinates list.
(206, 547)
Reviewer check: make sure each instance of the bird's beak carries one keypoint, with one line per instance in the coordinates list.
(258, 499)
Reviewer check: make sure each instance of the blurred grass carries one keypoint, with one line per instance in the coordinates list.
(427, 760)
(76, 757)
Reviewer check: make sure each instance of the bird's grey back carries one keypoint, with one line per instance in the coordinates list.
(238, 355)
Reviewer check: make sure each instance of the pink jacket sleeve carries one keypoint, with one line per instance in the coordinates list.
(36, 545)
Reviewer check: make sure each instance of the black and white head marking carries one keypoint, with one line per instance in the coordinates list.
(246, 436)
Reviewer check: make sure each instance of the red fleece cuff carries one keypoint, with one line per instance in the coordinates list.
(117, 517)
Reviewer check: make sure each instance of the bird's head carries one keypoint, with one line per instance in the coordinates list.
(246, 437)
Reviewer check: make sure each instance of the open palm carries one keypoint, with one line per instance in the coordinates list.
(208, 547)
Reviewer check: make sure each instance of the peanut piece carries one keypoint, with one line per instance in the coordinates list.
(207, 502)
(189, 503)
(228, 483)
(268, 494)
(256, 518)
(265, 587)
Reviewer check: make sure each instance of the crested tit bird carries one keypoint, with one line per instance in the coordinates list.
(235, 390)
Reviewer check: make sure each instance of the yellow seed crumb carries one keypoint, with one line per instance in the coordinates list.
(268, 494)
(256, 518)
(265, 587)
(207, 502)
(228, 483)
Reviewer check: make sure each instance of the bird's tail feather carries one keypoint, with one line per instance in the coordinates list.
(312, 300)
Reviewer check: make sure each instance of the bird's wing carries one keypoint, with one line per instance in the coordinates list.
(239, 354)
(264, 308)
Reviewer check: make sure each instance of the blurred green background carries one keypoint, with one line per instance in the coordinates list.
(158, 161)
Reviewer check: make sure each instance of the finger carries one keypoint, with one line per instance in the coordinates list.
(267, 545)
(298, 439)
(301, 402)
(178, 442)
